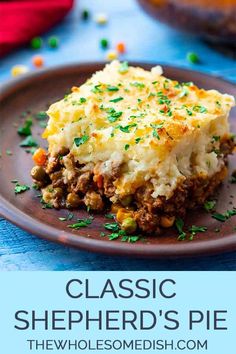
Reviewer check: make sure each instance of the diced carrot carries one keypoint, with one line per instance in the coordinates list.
(40, 157)
(100, 181)
(120, 47)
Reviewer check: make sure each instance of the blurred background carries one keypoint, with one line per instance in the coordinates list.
(194, 34)
(51, 32)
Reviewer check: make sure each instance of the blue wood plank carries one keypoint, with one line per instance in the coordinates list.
(146, 40)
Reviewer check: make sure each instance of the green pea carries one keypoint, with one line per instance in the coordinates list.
(53, 42)
(104, 43)
(193, 58)
(129, 225)
(39, 174)
(85, 14)
(36, 43)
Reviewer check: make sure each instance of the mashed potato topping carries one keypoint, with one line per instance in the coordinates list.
(161, 131)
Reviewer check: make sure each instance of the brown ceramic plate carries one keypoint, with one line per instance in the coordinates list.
(34, 93)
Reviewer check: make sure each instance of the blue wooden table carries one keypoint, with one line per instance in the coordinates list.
(146, 41)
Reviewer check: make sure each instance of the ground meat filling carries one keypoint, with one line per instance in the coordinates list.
(66, 183)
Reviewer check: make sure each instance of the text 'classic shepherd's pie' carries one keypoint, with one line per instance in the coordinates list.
(136, 143)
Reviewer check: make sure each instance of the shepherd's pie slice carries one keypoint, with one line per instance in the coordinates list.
(134, 141)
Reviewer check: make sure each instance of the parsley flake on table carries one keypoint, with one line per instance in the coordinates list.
(179, 223)
(81, 223)
(79, 141)
(29, 142)
(20, 188)
(41, 115)
(130, 239)
(195, 229)
(223, 217)
(67, 218)
(112, 226)
(110, 216)
(26, 128)
(209, 205)
(219, 217)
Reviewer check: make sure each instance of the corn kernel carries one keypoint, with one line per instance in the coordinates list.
(111, 55)
(19, 70)
(101, 19)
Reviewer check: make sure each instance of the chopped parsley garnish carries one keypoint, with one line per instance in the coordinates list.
(127, 147)
(183, 93)
(190, 83)
(190, 113)
(112, 226)
(137, 140)
(41, 115)
(97, 89)
(29, 142)
(155, 128)
(81, 223)
(218, 104)
(127, 128)
(140, 85)
(81, 101)
(116, 99)
(79, 141)
(179, 223)
(200, 109)
(113, 115)
(162, 99)
(9, 152)
(20, 188)
(110, 216)
(112, 88)
(26, 128)
(124, 67)
(215, 138)
(209, 205)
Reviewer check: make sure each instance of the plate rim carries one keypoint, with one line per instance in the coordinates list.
(141, 250)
